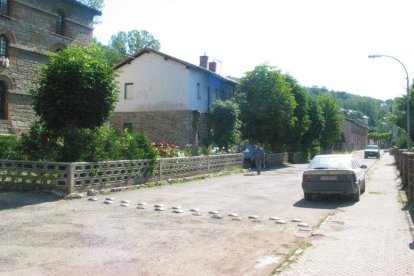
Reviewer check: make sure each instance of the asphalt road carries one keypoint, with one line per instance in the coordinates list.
(42, 236)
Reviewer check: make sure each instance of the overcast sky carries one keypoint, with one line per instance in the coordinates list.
(319, 42)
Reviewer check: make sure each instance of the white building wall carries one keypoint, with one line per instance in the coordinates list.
(158, 85)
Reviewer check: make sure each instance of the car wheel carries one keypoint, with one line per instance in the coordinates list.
(308, 196)
(363, 189)
(356, 195)
(365, 157)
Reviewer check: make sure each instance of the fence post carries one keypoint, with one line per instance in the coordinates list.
(71, 178)
(160, 168)
(208, 163)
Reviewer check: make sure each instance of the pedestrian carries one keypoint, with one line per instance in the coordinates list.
(258, 157)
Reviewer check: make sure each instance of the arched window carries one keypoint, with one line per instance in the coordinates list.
(3, 46)
(3, 107)
(4, 7)
(60, 23)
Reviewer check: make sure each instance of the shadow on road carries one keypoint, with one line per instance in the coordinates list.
(12, 200)
(325, 202)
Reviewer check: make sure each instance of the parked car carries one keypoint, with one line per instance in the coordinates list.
(334, 174)
(371, 150)
(247, 151)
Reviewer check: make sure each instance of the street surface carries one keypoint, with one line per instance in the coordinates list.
(43, 236)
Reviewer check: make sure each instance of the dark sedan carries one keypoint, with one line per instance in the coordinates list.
(334, 174)
(372, 150)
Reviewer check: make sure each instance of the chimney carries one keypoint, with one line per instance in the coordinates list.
(212, 66)
(204, 61)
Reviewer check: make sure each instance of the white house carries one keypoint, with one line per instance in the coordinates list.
(158, 93)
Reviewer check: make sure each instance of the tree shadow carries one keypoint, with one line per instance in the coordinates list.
(324, 202)
(14, 200)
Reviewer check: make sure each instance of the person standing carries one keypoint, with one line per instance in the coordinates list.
(259, 157)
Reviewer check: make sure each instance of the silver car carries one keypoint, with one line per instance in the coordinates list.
(334, 174)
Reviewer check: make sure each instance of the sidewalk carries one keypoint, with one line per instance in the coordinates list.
(372, 237)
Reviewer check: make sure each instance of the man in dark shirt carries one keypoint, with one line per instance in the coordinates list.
(258, 156)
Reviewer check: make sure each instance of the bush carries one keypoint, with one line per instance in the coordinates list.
(39, 143)
(8, 147)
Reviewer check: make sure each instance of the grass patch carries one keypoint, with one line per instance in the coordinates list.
(292, 257)
(375, 193)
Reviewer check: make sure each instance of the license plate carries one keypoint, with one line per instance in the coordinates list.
(328, 178)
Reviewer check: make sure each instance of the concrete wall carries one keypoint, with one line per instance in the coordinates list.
(29, 28)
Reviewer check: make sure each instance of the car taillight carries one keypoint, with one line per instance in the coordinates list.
(306, 178)
(352, 177)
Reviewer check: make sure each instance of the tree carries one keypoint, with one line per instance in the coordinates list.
(333, 118)
(302, 120)
(112, 56)
(96, 4)
(313, 135)
(400, 112)
(224, 123)
(128, 43)
(267, 106)
(76, 90)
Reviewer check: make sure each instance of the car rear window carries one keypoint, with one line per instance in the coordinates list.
(371, 147)
(330, 163)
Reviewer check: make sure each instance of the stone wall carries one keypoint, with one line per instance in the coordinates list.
(172, 126)
(29, 28)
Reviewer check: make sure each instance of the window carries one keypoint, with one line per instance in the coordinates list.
(128, 127)
(3, 46)
(60, 23)
(129, 93)
(4, 7)
(3, 106)
(198, 91)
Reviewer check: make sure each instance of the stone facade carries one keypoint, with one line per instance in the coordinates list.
(30, 29)
(171, 126)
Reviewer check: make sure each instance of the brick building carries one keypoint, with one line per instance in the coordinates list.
(28, 30)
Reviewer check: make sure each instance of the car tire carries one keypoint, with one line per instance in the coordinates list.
(365, 156)
(356, 196)
(363, 189)
(308, 196)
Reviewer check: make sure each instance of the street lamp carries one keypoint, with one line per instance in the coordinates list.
(408, 96)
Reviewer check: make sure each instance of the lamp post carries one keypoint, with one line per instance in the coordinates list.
(408, 96)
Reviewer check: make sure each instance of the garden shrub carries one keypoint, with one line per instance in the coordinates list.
(8, 147)
(39, 143)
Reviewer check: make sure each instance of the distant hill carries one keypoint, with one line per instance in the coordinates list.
(375, 109)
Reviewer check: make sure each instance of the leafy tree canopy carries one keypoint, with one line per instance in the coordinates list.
(96, 4)
(224, 123)
(267, 106)
(76, 89)
(133, 41)
(333, 121)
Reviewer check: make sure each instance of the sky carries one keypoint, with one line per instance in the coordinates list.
(322, 43)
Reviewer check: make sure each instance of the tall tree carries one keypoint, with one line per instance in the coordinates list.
(224, 123)
(313, 135)
(302, 120)
(133, 41)
(76, 90)
(267, 106)
(333, 121)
